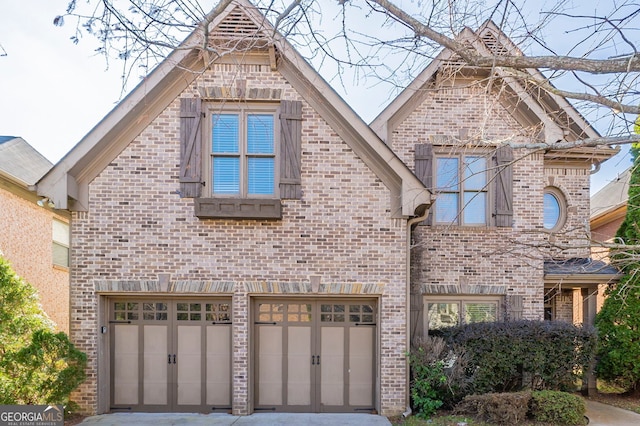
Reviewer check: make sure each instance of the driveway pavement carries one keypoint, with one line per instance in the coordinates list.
(599, 415)
(607, 415)
(262, 419)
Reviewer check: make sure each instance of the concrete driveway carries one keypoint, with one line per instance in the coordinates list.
(599, 415)
(607, 415)
(262, 419)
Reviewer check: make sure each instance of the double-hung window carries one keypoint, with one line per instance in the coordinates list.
(243, 153)
(461, 186)
(60, 233)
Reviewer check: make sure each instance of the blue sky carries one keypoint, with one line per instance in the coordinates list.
(53, 92)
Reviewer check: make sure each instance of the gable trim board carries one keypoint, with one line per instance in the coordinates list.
(69, 178)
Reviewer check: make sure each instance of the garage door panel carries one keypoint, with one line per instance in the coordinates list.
(189, 359)
(361, 365)
(299, 366)
(125, 374)
(270, 356)
(332, 366)
(218, 365)
(155, 363)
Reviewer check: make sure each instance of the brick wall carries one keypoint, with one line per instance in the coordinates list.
(137, 227)
(26, 242)
(508, 259)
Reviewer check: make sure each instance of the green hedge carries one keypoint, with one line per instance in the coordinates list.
(536, 355)
(558, 408)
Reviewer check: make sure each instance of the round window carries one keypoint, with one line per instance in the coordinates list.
(553, 209)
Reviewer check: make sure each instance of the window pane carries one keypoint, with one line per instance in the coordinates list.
(551, 211)
(260, 179)
(60, 255)
(475, 208)
(443, 315)
(447, 174)
(226, 175)
(60, 233)
(447, 208)
(475, 173)
(260, 134)
(225, 133)
(480, 312)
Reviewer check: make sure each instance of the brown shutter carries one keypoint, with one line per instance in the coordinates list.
(423, 159)
(290, 149)
(504, 186)
(190, 147)
(515, 307)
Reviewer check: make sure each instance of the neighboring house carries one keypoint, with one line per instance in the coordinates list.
(34, 238)
(609, 208)
(242, 240)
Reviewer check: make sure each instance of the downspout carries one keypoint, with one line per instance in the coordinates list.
(410, 223)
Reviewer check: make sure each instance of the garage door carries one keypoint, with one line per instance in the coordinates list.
(315, 356)
(170, 355)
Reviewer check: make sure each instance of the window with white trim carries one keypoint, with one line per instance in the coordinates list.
(60, 252)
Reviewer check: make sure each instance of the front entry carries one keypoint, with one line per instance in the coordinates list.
(170, 355)
(315, 356)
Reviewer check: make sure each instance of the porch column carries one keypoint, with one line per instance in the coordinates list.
(589, 307)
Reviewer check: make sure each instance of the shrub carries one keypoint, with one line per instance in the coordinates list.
(558, 408)
(537, 355)
(618, 324)
(37, 365)
(501, 408)
(427, 376)
(438, 374)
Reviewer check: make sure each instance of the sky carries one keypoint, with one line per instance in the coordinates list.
(53, 92)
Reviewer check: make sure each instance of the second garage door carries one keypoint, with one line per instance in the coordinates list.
(315, 356)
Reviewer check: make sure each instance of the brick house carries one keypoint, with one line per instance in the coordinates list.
(243, 241)
(34, 238)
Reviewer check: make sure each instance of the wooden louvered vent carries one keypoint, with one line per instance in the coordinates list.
(494, 45)
(238, 31)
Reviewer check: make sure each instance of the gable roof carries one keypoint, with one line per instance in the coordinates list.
(527, 105)
(69, 179)
(20, 163)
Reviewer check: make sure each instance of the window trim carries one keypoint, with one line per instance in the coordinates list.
(461, 300)
(559, 196)
(487, 189)
(243, 109)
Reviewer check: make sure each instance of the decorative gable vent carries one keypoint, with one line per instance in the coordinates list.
(238, 31)
(494, 45)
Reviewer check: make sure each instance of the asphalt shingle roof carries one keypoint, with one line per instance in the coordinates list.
(21, 161)
(577, 266)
